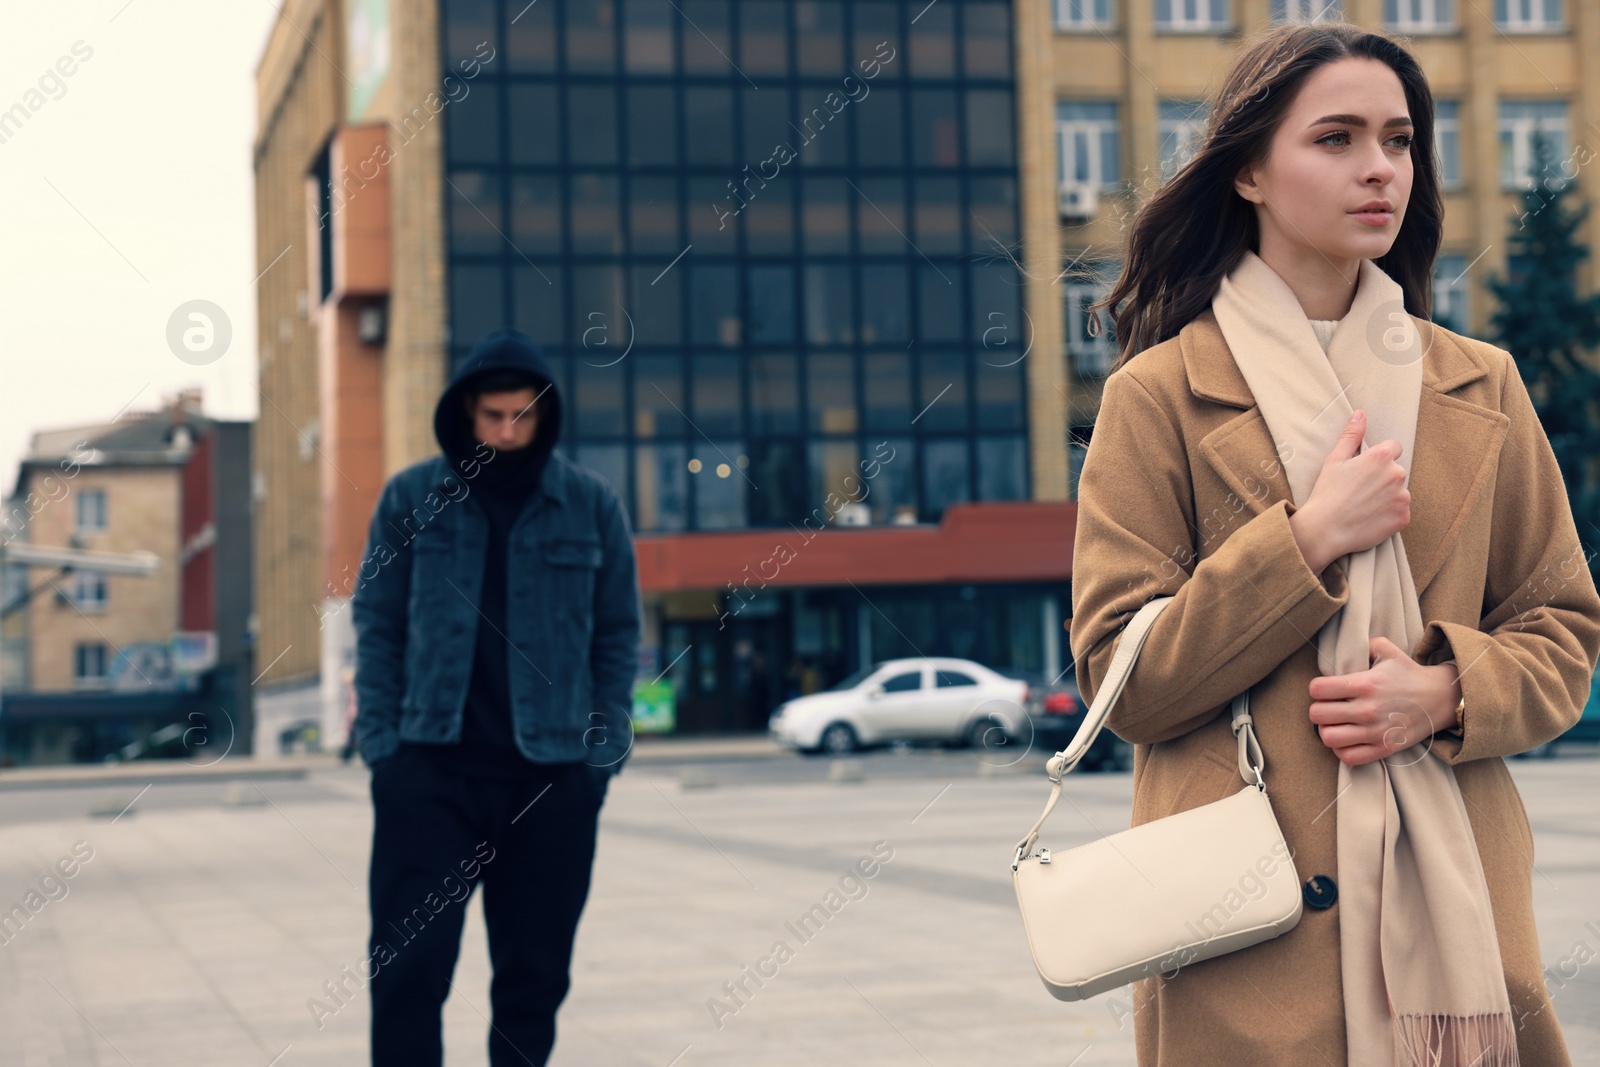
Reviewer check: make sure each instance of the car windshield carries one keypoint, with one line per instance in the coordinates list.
(855, 679)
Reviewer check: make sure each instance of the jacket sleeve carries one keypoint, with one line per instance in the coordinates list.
(1526, 667)
(614, 647)
(1236, 615)
(378, 612)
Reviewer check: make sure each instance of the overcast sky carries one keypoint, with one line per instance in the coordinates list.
(128, 192)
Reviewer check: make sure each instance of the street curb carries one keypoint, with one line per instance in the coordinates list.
(708, 749)
(143, 771)
(656, 750)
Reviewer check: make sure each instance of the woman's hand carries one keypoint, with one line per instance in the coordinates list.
(1387, 708)
(1359, 499)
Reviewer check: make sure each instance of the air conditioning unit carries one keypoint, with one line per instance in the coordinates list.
(854, 514)
(1079, 201)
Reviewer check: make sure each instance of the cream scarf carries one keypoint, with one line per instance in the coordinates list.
(1422, 978)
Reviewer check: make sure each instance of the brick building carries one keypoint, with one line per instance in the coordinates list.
(1130, 76)
(97, 658)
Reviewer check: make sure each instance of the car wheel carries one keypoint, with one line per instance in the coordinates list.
(1120, 758)
(838, 739)
(986, 733)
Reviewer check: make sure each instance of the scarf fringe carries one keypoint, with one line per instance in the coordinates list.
(1455, 1040)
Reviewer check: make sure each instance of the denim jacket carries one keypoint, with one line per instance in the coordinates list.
(573, 615)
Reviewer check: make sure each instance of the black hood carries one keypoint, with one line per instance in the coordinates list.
(501, 350)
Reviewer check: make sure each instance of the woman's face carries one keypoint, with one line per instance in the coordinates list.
(1344, 143)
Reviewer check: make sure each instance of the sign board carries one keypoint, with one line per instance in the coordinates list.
(142, 667)
(367, 49)
(654, 708)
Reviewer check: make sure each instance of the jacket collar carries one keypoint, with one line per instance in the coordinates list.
(1457, 441)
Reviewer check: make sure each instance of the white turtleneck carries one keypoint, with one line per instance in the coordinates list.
(1324, 329)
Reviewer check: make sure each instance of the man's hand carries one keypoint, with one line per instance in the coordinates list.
(1394, 704)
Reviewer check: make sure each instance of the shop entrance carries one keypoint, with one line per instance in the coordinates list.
(727, 672)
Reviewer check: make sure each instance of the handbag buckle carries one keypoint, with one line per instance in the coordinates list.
(1044, 855)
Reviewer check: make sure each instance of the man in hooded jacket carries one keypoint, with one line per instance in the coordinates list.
(497, 623)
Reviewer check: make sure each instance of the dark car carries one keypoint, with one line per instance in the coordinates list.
(1055, 711)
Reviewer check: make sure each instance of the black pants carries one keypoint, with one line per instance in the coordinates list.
(436, 834)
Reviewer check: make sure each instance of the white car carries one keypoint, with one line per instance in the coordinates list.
(923, 699)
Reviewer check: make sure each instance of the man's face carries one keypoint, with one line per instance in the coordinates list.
(506, 421)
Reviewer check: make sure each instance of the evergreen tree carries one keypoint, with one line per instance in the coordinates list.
(1551, 330)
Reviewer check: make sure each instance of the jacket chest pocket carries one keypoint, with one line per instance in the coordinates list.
(570, 565)
(431, 554)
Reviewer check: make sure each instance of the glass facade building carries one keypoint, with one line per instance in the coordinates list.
(771, 247)
(764, 242)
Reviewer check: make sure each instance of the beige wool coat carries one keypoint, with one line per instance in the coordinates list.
(1182, 494)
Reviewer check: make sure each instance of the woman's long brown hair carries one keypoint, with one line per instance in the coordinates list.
(1194, 230)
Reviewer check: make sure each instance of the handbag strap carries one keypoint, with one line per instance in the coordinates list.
(1252, 762)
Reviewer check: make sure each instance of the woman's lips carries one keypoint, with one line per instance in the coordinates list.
(1373, 218)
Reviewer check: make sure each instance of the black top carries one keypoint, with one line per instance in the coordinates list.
(501, 486)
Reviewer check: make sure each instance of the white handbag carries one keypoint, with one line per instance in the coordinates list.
(1146, 901)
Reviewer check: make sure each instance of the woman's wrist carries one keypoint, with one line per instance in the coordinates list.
(1447, 714)
(1310, 542)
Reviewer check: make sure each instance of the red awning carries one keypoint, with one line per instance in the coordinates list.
(1010, 541)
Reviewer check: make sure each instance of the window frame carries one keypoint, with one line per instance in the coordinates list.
(1089, 18)
(83, 496)
(80, 680)
(1432, 16)
(1105, 160)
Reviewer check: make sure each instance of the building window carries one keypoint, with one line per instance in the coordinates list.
(1083, 14)
(1091, 355)
(16, 583)
(662, 486)
(1077, 452)
(1447, 138)
(1307, 11)
(1519, 121)
(945, 475)
(88, 590)
(719, 477)
(1190, 16)
(91, 510)
(1450, 293)
(1420, 16)
(89, 665)
(1002, 473)
(1529, 16)
(1088, 142)
(1182, 127)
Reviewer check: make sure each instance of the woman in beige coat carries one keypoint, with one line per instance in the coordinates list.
(1183, 493)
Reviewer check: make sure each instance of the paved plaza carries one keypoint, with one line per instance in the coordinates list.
(223, 921)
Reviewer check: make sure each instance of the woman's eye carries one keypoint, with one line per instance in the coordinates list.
(1405, 139)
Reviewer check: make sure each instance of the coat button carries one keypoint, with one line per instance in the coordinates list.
(1320, 891)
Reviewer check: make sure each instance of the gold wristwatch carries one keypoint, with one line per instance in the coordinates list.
(1461, 705)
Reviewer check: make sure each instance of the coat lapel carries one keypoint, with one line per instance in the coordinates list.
(1457, 443)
